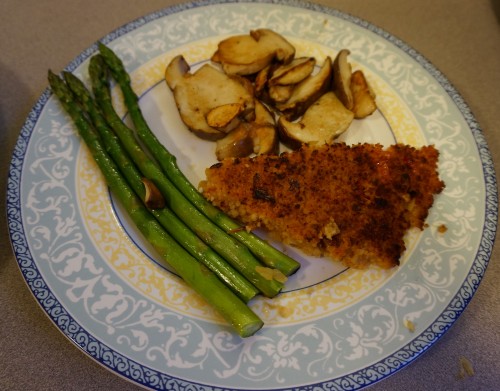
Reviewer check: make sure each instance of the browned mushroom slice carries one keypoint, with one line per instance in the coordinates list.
(176, 70)
(265, 139)
(324, 121)
(237, 143)
(264, 133)
(226, 117)
(307, 92)
(263, 116)
(293, 73)
(342, 78)
(198, 94)
(261, 79)
(280, 93)
(153, 198)
(363, 96)
(248, 54)
(259, 136)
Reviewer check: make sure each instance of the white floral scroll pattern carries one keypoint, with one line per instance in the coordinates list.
(156, 347)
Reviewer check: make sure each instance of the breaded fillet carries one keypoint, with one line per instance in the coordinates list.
(351, 203)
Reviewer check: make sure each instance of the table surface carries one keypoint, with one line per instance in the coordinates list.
(460, 37)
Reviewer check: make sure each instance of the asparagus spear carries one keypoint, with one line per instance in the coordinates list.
(233, 251)
(179, 231)
(269, 255)
(195, 274)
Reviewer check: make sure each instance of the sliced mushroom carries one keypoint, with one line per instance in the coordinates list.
(276, 84)
(307, 92)
(209, 92)
(265, 139)
(263, 116)
(176, 70)
(226, 117)
(261, 79)
(153, 198)
(363, 96)
(256, 79)
(237, 143)
(264, 133)
(259, 136)
(294, 72)
(324, 121)
(248, 54)
(342, 78)
(280, 93)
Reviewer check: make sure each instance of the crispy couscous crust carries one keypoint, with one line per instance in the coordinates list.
(351, 203)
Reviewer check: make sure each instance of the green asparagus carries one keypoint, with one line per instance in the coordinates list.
(177, 229)
(269, 255)
(233, 251)
(194, 273)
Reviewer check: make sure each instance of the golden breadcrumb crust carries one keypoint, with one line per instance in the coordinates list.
(352, 203)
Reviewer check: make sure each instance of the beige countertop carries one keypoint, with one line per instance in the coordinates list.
(459, 37)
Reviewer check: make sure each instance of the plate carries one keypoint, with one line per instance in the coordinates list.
(332, 328)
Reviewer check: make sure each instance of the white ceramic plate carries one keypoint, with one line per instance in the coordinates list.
(332, 328)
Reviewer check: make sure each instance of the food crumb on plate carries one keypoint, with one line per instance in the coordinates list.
(442, 228)
(409, 325)
(466, 368)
